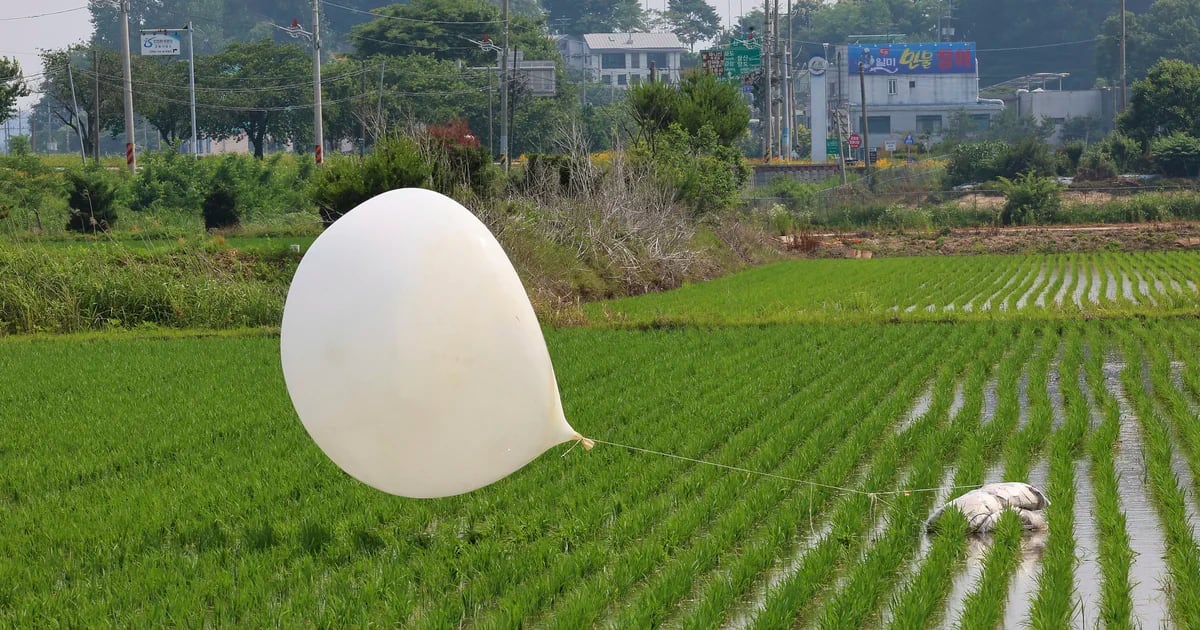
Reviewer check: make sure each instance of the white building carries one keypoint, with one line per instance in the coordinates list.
(911, 89)
(623, 59)
(1059, 106)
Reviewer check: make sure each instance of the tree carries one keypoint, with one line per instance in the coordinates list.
(264, 94)
(653, 107)
(1163, 103)
(162, 95)
(443, 29)
(706, 102)
(692, 21)
(578, 17)
(12, 86)
(87, 66)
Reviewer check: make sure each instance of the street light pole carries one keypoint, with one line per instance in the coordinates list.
(130, 158)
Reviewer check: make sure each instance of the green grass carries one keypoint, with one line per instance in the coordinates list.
(159, 476)
(919, 289)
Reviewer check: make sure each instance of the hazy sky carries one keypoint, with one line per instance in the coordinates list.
(22, 38)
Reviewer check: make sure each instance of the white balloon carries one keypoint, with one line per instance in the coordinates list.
(411, 351)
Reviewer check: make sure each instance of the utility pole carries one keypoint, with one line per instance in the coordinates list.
(789, 131)
(96, 106)
(504, 90)
(78, 118)
(130, 157)
(1124, 99)
(318, 126)
(768, 132)
(192, 88)
(862, 87)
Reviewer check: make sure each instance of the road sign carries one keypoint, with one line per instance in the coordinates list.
(909, 139)
(741, 60)
(713, 62)
(855, 141)
(747, 89)
(831, 146)
(160, 44)
(890, 145)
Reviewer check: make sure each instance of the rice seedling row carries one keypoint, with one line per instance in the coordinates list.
(916, 289)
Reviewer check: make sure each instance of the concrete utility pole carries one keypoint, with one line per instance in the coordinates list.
(318, 119)
(504, 90)
(1124, 100)
(789, 129)
(862, 87)
(130, 158)
(765, 123)
(96, 106)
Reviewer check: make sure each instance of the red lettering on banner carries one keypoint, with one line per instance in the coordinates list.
(962, 59)
(944, 59)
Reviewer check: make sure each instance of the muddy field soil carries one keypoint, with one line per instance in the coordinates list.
(1007, 240)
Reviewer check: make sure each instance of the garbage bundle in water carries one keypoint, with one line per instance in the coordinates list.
(982, 507)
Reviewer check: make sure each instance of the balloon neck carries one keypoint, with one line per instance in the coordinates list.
(585, 442)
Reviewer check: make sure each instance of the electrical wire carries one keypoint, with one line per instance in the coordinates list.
(41, 15)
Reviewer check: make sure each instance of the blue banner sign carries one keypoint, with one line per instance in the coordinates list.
(929, 58)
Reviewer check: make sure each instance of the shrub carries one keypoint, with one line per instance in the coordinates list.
(459, 162)
(1030, 155)
(794, 194)
(1096, 165)
(1029, 199)
(974, 162)
(168, 180)
(1176, 155)
(704, 175)
(92, 199)
(1067, 158)
(220, 208)
(1124, 151)
(346, 182)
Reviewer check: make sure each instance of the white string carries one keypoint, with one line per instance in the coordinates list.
(872, 495)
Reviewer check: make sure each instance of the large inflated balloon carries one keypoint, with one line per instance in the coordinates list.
(412, 353)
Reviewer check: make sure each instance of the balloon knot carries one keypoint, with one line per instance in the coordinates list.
(586, 442)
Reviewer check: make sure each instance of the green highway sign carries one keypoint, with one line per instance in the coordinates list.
(831, 146)
(740, 60)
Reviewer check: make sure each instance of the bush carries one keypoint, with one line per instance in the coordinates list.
(1030, 155)
(459, 162)
(92, 199)
(1096, 165)
(704, 175)
(1029, 199)
(220, 208)
(1067, 158)
(1176, 155)
(346, 181)
(974, 162)
(792, 193)
(1124, 151)
(168, 180)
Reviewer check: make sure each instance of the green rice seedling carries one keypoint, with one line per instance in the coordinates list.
(984, 606)
(1183, 553)
(1115, 554)
(1054, 606)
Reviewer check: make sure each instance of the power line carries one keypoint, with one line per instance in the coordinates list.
(40, 15)
(410, 20)
(1037, 46)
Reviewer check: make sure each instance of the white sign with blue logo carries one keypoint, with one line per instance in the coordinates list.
(160, 44)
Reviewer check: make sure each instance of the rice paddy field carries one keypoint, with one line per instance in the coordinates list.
(152, 480)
